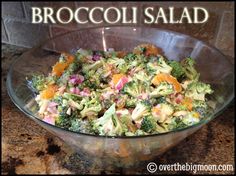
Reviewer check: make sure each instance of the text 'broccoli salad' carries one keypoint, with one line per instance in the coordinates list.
(121, 94)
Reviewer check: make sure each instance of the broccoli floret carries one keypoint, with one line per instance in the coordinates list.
(131, 102)
(148, 124)
(140, 49)
(134, 60)
(154, 67)
(125, 117)
(198, 90)
(177, 69)
(162, 111)
(94, 78)
(73, 100)
(142, 109)
(109, 124)
(162, 89)
(163, 66)
(199, 104)
(188, 118)
(94, 66)
(38, 82)
(191, 118)
(87, 83)
(133, 88)
(130, 57)
(201, 107)
(79, 125)
(180, 107)
(72, 96)
(120, 64)
(189, 70)
(140, 132)
(91, 108)
(64, 120)
(73, 67)
(143, 77)
(176, 123)
(82, 54)
(160, 100)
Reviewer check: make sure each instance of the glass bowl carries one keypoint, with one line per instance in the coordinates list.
(121, 151)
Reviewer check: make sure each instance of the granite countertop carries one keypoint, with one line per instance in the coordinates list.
(29, 149)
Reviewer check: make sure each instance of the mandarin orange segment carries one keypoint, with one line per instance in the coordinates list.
(121, 54)
(70, 59)
(116, 78)
(196, 114)
(188, 103)
(155, 110)
(49, 92)
(161, 77)
(150, 49)
(58, 68)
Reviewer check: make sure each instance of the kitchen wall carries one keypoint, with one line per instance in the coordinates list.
(18, 30)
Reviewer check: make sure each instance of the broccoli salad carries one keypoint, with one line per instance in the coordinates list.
(118, 93)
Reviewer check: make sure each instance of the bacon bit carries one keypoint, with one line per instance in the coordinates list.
(177, 100)
(118, 114)
(138, 125)
(86, 90)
